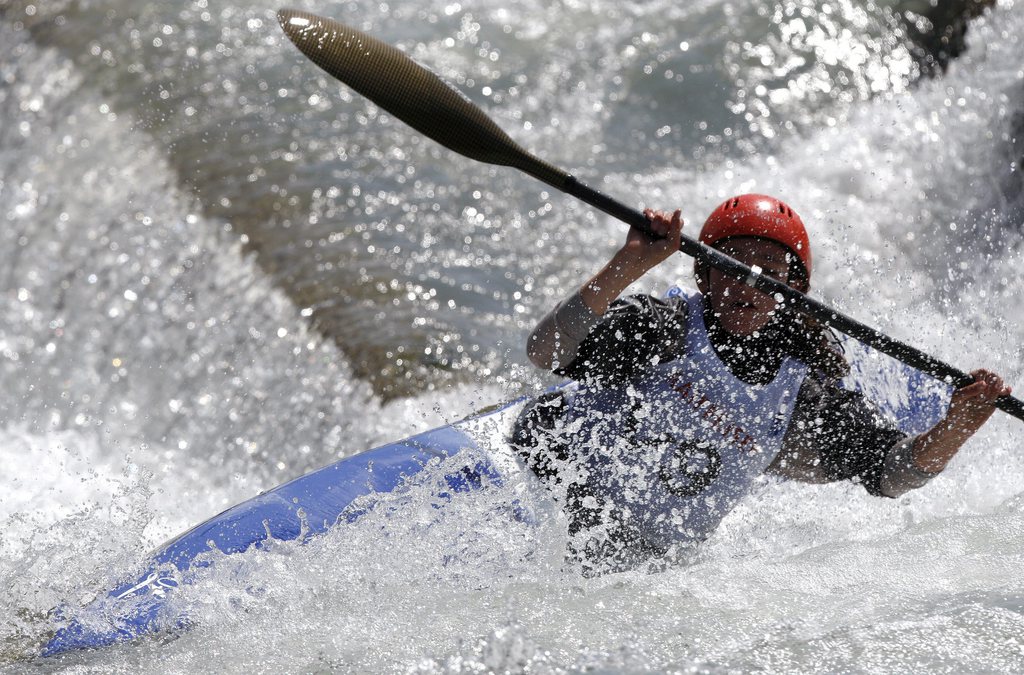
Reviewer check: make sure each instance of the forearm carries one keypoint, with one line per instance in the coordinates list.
(970, 407)
(933, 449)
(900, 472)
(608, 284)
(912, 463)
(556, 339)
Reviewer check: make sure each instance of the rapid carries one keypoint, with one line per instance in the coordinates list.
(219, 269)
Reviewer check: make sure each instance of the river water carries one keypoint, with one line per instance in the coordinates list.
(220, 270)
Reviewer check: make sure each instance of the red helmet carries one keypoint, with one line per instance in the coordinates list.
(759, 216)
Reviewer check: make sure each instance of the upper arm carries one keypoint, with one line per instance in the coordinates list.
(846, 437)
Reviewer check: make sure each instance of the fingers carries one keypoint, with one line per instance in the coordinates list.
(993, 383)
(985, 389)
(664, 225)
(973, 404)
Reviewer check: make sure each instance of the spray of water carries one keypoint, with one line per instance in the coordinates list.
(157, 372)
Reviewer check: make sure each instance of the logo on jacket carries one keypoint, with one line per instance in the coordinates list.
(713, 415)
(691, 467)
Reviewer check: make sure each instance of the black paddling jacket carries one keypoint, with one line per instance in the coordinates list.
(833, 435)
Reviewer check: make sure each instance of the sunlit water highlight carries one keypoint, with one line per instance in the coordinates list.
(156, 373)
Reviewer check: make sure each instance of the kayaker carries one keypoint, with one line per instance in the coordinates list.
(683, 402)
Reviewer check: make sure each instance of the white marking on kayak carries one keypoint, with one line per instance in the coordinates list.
(298, 21)
(157, 585)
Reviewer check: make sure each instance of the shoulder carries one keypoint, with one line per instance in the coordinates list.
(635, 331)
(643, 317)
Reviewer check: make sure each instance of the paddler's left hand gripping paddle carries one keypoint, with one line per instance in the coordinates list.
(425, 102)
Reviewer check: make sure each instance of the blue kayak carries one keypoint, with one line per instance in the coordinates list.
(331, 496)
(301, 508)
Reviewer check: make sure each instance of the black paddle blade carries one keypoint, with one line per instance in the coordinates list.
(410, 92)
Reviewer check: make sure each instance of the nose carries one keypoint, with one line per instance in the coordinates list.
(738, 291)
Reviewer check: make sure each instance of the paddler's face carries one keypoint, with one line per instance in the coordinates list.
(742, 309)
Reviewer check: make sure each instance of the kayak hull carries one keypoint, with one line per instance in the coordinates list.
(307, 506)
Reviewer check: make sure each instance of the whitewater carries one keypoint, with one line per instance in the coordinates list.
(220, 270)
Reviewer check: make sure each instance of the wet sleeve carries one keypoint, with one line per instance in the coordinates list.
(635, 333)
(901, 473)
(850, 438)
(556, 339)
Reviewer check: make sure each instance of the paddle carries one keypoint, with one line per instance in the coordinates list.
(421, 99)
